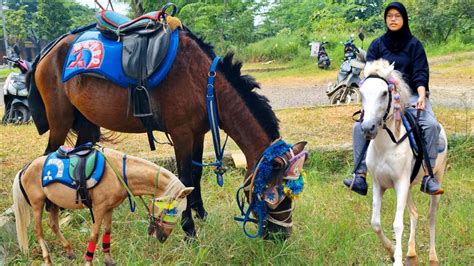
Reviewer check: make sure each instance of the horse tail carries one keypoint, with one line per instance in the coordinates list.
(36, 104)
(22, 214)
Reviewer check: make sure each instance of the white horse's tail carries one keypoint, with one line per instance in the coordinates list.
(22, 214)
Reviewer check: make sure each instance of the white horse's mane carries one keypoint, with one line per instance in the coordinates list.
(385, 70)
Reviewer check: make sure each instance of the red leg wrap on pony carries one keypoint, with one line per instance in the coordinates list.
(106, 242)
(90, 251)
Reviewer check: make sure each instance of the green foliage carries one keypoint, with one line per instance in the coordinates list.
(16, 24)
(436, 21)
(48, 17)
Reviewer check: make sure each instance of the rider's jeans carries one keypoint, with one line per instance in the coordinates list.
(427, 121)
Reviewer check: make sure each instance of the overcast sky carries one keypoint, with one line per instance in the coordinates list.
(119, 7)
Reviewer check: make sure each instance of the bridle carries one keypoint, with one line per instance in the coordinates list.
(254, 188)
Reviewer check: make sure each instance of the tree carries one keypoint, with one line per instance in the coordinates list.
(52, 19)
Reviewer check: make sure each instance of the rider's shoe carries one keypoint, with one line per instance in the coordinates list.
(359, 186)
(431, 186)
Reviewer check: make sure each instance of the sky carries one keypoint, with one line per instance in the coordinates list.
(119, 7)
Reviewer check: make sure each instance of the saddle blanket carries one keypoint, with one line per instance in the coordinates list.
(57, 169)
(91, 53)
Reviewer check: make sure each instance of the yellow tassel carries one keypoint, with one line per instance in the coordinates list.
(174, 22)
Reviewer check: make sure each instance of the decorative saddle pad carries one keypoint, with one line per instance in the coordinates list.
(92, 53)
(63, 169)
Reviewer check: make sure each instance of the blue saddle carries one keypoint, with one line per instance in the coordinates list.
(92, 53)
(59, 168)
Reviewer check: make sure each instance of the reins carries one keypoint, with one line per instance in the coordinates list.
(212, 115)
(131, 197)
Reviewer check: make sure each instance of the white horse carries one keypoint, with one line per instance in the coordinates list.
(390, 164)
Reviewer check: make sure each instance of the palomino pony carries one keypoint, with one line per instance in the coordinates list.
(391, 164)
(144, 178)
(85, 103)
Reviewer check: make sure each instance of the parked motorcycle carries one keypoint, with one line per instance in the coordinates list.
(323, 59)
(318, 50)
(15, 93)
(346, 88)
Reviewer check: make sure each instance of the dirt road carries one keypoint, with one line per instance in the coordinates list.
(451, 85)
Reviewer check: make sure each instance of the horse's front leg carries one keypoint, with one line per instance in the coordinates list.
(378, 192)
(198, 205)
(401, 189)
(54, 224)
(98, 217)
(183, 146)
(109, 261)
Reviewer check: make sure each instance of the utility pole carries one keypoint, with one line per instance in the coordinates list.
(5, 36)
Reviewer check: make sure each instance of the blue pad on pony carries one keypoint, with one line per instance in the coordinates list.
(66, 165)
(92, 53)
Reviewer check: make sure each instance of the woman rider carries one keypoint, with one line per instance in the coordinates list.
(398, 45)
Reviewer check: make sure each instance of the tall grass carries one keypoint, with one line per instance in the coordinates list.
(331, 226)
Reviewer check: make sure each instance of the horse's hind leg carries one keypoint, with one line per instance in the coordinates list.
(87, 131)
(433, 210)
(198, 205)
(38, 215)
(54, 224)
(411, 254)
(376, 224)
(109, 261)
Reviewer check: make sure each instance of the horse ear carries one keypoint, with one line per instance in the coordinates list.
(184, 192)
(388, 70)
(299, 147)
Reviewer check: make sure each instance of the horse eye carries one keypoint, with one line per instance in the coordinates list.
(384, 93)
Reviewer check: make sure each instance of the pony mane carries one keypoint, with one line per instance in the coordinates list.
(383, 69)
(244, 85)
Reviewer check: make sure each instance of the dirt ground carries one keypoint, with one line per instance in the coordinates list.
(451, 85)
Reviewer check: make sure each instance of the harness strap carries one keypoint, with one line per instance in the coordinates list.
(119, 177)
(22, 171)
(213, 118)
(392, 137)
(133, 205)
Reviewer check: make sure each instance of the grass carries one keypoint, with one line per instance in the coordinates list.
(331, 226)
(5, 71)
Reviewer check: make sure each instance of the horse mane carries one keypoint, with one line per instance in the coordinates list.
(383, 69)
(244, 85)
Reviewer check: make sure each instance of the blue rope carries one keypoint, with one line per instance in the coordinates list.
(214, 126)
(124, 173)
(258, 205)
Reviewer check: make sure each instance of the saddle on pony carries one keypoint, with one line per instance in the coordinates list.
(80, 168)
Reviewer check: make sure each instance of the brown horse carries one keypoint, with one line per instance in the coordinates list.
(86, 103)
(144, 178)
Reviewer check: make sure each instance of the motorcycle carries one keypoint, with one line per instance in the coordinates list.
(318, 50)
(323, 59)
(346, 88)
(15, 93)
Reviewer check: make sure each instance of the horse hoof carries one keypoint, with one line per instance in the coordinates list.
(190, 239)
(434, 263)
(411, 260)
(110, 262)
(71, 256)
(201, 215)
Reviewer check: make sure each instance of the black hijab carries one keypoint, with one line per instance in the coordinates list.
(396, 40)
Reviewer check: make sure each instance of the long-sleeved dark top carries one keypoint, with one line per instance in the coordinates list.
(411, 61)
